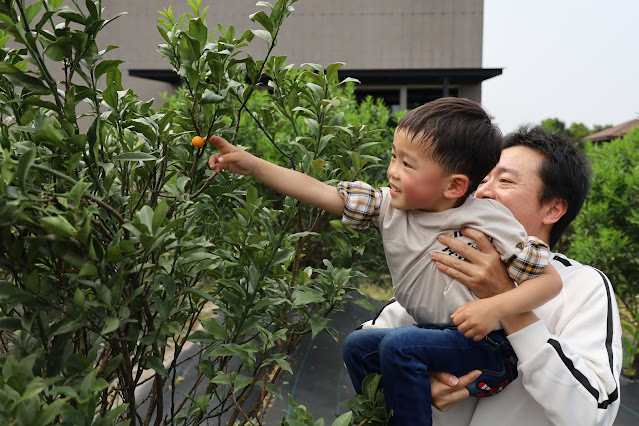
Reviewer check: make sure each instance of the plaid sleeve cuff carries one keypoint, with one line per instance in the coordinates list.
(530, 261)
(361, 204)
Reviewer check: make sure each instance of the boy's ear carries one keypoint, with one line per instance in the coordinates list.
(457, 186)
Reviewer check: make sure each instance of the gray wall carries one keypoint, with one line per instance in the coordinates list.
(365, 34)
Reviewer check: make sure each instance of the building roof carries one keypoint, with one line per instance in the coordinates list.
(371, 76)
(612, 132)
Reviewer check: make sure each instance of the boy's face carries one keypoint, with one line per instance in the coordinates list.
(415, 179)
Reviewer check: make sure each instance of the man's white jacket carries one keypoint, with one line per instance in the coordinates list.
(569, 361)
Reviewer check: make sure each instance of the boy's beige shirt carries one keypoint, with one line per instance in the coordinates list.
(428, 294)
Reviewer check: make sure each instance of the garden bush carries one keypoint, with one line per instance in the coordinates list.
(120, 250)
(606, 232)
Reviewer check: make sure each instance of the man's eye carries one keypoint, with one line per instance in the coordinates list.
(504, 180)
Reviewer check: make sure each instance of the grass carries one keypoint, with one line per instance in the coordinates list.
(378, 288)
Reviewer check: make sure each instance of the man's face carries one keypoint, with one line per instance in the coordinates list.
(515, 183)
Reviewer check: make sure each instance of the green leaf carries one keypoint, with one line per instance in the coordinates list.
(71, 16)
(146, 217)
(265, 4)
(32, 11)
(263, 19)
(24, 165)
(7, 68)
(215, 328)
(58, 225)
(210, 97)
(79, 298)
(332, 69)
(318, 324)
(157, 365)
(239, 380)
(110, 94)
(106, 66)
(88, 270)
(370, 385)
(201, 294)
(135, 156)
(264, 35)
(272, 389)
(306, 297)
(198, 31)
(65, 327)
(11, 292)
(50, 132)
(251, 196)
(60, 49)
(253, 276)
(318, 163)
(110, 325)
(200, 336)
(283, 255)
(93, 10)
(344, 419)
(10, 324)
(159, 215)
(75, 194)
(113, 364)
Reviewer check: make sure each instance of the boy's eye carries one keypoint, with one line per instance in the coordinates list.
(407, 165)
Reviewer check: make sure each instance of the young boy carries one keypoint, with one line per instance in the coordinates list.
(441, 152)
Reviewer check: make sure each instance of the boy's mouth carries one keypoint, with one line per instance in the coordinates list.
(394, 188)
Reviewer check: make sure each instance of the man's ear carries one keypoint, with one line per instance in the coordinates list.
(555, 209)
(457, 186)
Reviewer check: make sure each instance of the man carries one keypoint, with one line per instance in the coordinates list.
(569, 349)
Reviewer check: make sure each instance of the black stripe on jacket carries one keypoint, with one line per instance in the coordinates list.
(609, 331)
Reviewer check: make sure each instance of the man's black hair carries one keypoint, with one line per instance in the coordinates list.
(564, 172)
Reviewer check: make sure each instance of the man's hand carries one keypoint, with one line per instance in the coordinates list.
(485, 274)
(230, 157)
(447, 390)
(477, 318)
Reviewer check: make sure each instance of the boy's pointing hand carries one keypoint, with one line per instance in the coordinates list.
(230, 157)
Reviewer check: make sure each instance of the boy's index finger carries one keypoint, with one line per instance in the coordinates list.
(218, 141)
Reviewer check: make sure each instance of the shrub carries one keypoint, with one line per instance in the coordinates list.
(118, 245)
(606, 232)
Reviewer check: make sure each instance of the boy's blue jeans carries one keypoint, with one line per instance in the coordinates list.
(405, 357)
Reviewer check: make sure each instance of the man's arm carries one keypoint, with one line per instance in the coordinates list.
(285, 181)
(477, 318)
(570, 365)
(571, 361)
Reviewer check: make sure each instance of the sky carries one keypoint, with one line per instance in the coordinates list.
(576, 60)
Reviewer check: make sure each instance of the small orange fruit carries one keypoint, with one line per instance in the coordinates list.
(198, 141)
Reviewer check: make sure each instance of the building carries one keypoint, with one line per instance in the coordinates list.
(406, 51)
(611, 133)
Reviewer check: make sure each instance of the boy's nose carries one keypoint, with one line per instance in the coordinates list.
(391, 170)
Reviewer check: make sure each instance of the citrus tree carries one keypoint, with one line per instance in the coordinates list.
(122, 255)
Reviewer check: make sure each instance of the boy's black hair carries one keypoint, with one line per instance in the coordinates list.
(564, 172)
(460, 135)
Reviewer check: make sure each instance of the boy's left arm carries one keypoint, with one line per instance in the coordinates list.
(478, 318)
